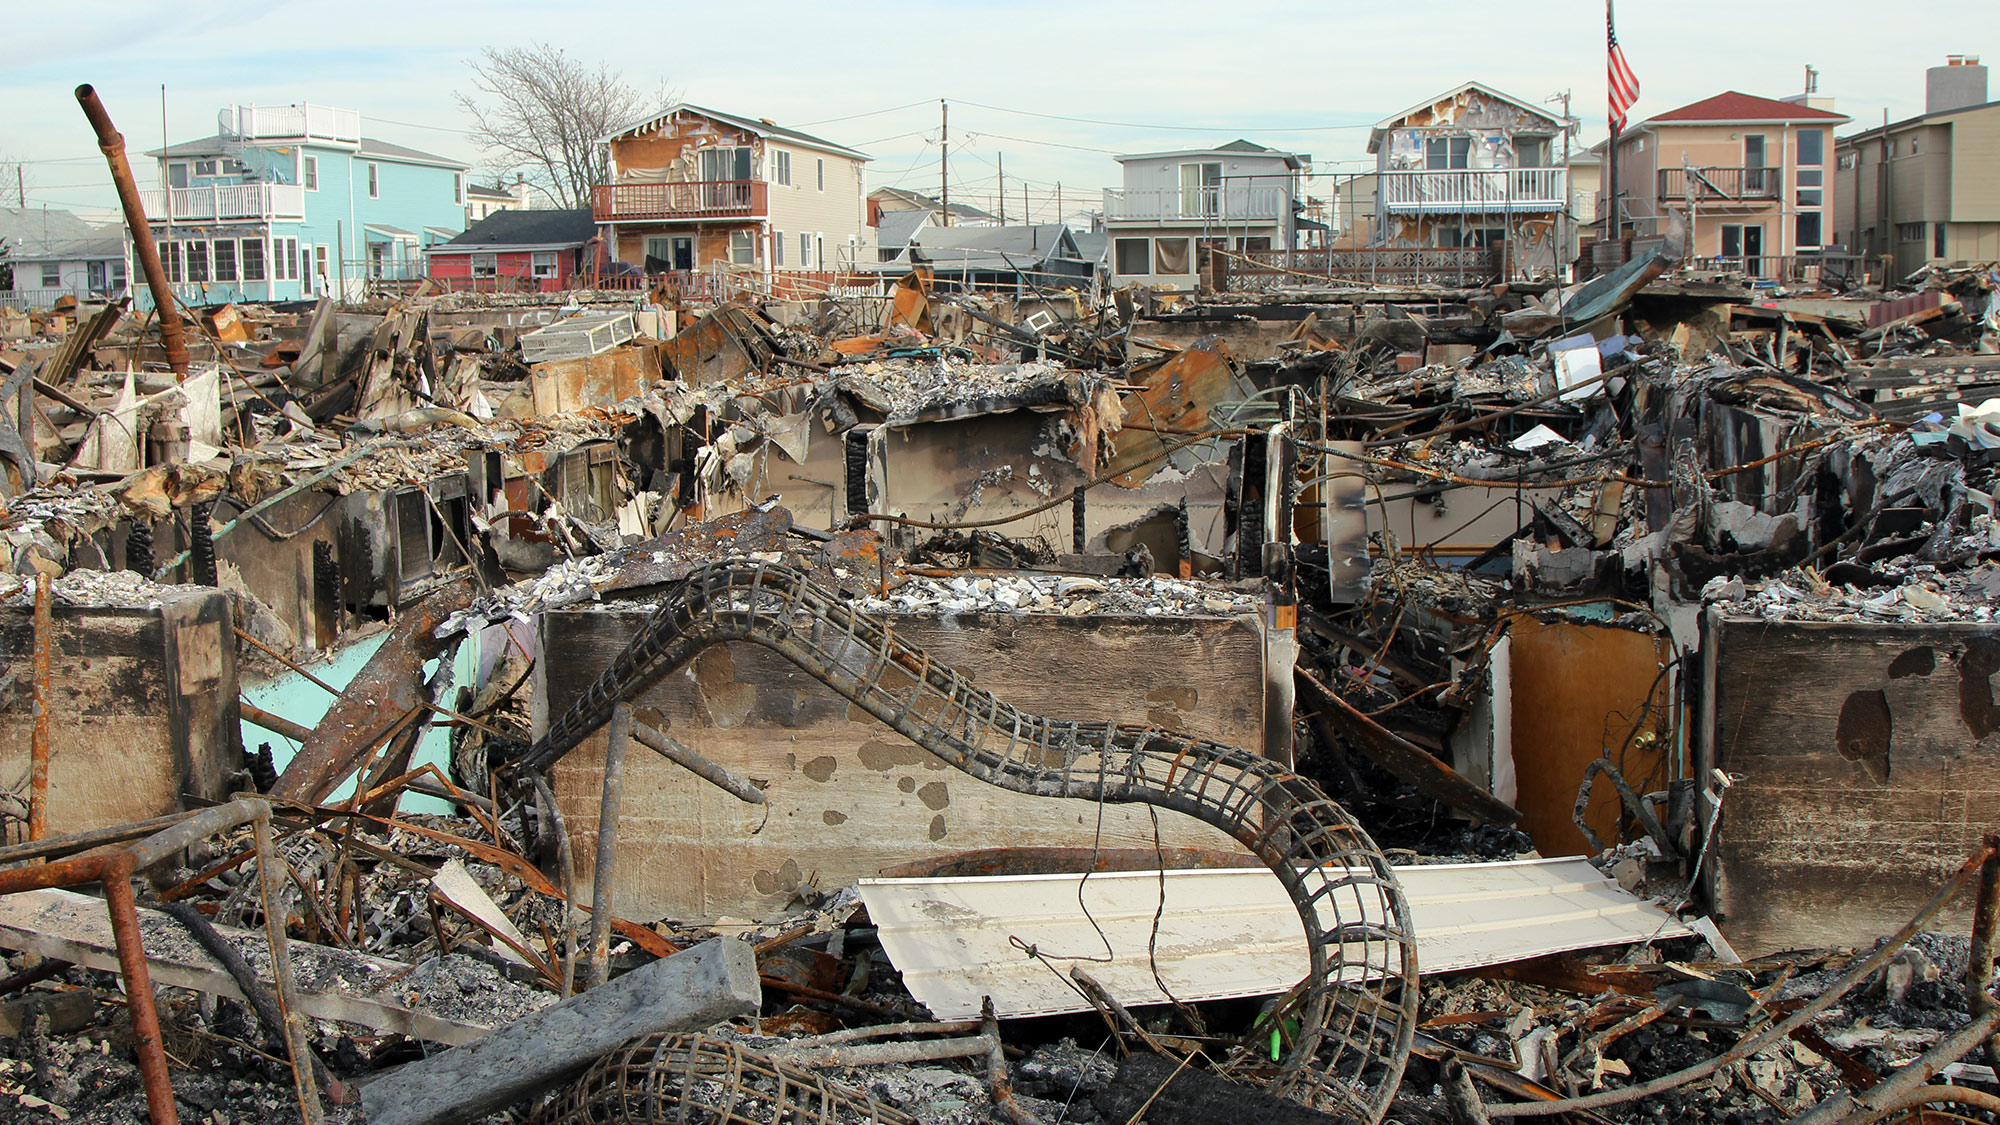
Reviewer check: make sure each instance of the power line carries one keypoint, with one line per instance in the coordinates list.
(1174, 128)
(1046, 144)
(870, 113)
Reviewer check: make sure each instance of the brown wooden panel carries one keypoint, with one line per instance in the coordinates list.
(847, 795)
(1579, 689)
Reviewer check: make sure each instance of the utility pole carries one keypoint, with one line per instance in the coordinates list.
(944, 162)
(1000, 161)
(1059, 210)
(1566, 236)
(21, 187)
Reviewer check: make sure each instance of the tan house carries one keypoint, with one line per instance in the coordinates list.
(1752, 176)
(1472, 168)
(1926, 189)
(693, 187)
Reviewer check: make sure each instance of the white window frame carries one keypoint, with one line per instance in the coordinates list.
(489, 262)
(822, 173)
(207, 166)
(320, 264)
(742, 248)
(170, 260)
(309, 171)
(374, 180)
(784, 165)
(235, 261)
(458, 189)
(777, 248)
(542, 264)
(805, 250)
(51, 274)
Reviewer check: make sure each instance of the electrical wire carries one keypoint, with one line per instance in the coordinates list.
(1171, 128)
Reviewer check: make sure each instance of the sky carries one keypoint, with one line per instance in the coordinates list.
(1048, 89)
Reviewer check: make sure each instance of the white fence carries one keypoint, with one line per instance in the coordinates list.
(222, 203)
(1476, 191)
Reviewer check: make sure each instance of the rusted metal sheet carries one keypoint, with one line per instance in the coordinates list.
(1177, 393)
(602, 380)
(1580, 691)
(1864, 768)
(728, 342)
(376, 704)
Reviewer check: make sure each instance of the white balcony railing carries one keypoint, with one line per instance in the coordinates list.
(1199, 205)
(227, 203)
(1480, 191)
(290, 122)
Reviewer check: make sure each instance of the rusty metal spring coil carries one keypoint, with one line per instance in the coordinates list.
(689, 1079)
(1354, 1013)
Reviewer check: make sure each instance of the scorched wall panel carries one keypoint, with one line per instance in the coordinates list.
(847, 795)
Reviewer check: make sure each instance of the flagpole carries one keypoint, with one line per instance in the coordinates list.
(1613, 228)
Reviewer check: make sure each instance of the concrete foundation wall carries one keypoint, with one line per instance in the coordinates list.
(847, 795)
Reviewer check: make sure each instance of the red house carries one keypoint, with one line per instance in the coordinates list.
(516, 251)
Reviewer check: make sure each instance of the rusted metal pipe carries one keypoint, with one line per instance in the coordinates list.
(660, 742)
(139, 992)
(618, 734)
(38, 783)
(112, 144)
(269, 880)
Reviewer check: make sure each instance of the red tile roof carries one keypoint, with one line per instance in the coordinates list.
(1732, 106)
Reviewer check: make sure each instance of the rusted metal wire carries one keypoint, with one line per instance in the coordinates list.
(38, 777)
(677, 1078)
(1356, 1010)
(115, 870)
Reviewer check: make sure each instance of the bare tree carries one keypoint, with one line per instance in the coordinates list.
(542, 112)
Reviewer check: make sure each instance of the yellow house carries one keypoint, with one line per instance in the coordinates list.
(1752, 176)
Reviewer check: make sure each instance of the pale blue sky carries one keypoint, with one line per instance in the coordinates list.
(1306, 76)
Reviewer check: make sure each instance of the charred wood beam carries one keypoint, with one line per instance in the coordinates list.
(1388, 750)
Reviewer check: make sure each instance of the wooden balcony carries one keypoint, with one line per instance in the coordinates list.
(1475, 191)
(699, 200)
(1722, 185)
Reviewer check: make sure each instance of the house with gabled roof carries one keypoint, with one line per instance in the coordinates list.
(1473, 168)
(692, 187)
(290, 202)
(1751, 176)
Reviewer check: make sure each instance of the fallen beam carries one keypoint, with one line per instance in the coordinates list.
(1432, 777)
(686, 992)
(355, 988)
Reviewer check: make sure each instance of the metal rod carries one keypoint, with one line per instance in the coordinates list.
(276, 724)
(701, 767)
(38, 785)
(269, 880)
(139, 992)
(1979, 965)
(618, 734)
(112, 144)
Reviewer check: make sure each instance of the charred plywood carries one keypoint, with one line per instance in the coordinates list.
(849, 797)
(145, 709)
(1866, 760)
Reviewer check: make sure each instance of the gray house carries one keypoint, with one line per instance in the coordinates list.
(1238, 197)
(46, 254)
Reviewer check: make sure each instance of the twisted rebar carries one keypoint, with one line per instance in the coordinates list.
(1355, 1010)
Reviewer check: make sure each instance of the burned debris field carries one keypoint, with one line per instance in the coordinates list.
(1436, 688)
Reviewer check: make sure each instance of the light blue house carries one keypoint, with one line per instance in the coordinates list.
(291, 203)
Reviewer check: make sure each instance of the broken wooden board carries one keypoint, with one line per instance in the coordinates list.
(333, 984)
(847, 796)
(1221, 934)
(1865, 767)
(688, 991)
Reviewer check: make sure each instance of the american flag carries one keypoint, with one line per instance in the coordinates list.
(1622, 84)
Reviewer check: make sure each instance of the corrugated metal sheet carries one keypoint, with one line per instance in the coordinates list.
(1221, 933)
